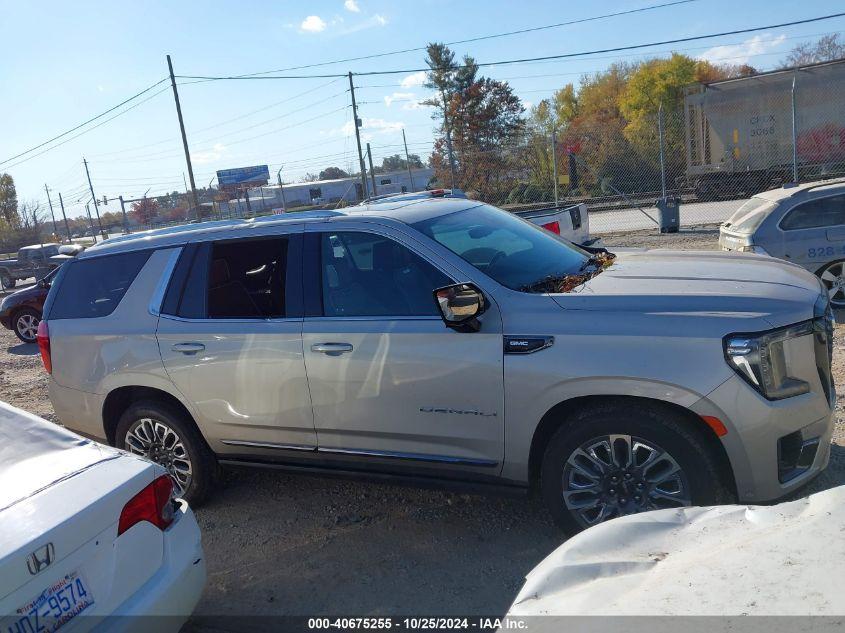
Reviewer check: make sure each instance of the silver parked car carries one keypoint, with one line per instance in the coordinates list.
(804, 224)
(446, 340)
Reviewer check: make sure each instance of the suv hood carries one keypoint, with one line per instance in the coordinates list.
(700, 282)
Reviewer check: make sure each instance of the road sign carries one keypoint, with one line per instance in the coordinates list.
(243, 177)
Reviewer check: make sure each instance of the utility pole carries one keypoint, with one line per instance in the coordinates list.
(358, 138)
(408, 161)
(372, 171)
(67, 226)
(91, 187)
(52, 215)
(554, 158)
(281, 189)
(794, 135)
(91, 222)
(184, 137)
(125, 221)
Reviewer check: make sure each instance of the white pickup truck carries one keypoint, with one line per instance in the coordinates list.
(572, 223)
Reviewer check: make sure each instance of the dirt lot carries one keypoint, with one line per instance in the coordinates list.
(298, 545)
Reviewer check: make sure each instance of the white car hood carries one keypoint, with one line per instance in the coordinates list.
(785, 559)
(35, 454)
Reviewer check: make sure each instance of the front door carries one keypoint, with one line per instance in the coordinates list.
(233, 345)
(388, 380)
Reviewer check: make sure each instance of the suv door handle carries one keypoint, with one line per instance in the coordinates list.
(188, 348)
(332, 349)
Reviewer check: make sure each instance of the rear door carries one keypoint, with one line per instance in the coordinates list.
(230, 335)
(814, 232)
(388, 380)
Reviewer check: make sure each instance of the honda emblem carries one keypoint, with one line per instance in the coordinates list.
(40, 558)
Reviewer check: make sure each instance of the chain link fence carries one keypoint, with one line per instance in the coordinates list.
(727, 142)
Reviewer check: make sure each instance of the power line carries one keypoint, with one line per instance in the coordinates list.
(91, 120)
(466, 41)
(619, 48)
(90, 129)
(681, 40)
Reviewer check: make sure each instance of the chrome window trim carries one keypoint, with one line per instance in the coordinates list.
(157, 297)
(374, 318)
(179, 319)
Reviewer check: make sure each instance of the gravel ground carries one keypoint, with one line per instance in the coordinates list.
(280, 544)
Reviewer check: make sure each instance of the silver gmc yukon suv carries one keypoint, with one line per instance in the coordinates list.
(447, 341)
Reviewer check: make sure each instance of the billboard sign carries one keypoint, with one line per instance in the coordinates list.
(243, 177)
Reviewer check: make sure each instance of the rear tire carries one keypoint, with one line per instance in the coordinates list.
(163, 434)
(582, 484)
(832, 276)
(25, 324)
(7, 281)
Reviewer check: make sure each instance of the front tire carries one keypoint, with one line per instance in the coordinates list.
(25, 324)
(610, 460)
(163, 434)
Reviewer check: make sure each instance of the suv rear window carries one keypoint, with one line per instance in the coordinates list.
(93, 287)
(817, 213)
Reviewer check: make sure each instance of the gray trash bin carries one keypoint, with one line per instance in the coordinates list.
(668, 214)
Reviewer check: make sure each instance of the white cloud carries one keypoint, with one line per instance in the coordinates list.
(313, 24)
(412, 81)
(351, 5)
(369, 128)
(742, 53)
(209, 156)
(398, 96)
(369, 23)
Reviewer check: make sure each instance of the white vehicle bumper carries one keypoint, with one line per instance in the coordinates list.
(167, 599)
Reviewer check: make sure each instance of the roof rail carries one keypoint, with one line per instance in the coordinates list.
(823, 183)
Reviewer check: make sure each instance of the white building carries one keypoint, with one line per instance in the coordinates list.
(300, 194)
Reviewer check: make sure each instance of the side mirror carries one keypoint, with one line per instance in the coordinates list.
(460, 306)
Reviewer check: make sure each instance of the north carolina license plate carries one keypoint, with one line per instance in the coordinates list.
(54, 607)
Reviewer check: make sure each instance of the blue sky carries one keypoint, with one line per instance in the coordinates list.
(64, 62)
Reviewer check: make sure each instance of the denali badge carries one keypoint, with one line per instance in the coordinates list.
(451, 411)
(40, 558)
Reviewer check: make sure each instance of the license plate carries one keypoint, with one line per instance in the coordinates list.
(54, 607)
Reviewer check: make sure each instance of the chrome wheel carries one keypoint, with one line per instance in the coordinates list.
(617, 475)
(833, 277)
(158, 442)
(27, 326)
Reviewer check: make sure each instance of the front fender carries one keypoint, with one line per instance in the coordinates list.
(526, 406)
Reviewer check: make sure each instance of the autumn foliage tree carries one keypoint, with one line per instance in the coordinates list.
(144, 210)
(482, 118)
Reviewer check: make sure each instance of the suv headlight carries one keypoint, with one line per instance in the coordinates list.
(761, 361)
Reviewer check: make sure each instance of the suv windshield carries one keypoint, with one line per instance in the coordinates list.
(514, 252)
(750, 215)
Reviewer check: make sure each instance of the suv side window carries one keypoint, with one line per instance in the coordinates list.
(363, 274)
(91, 288)
(817, 213)
(238, 279)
